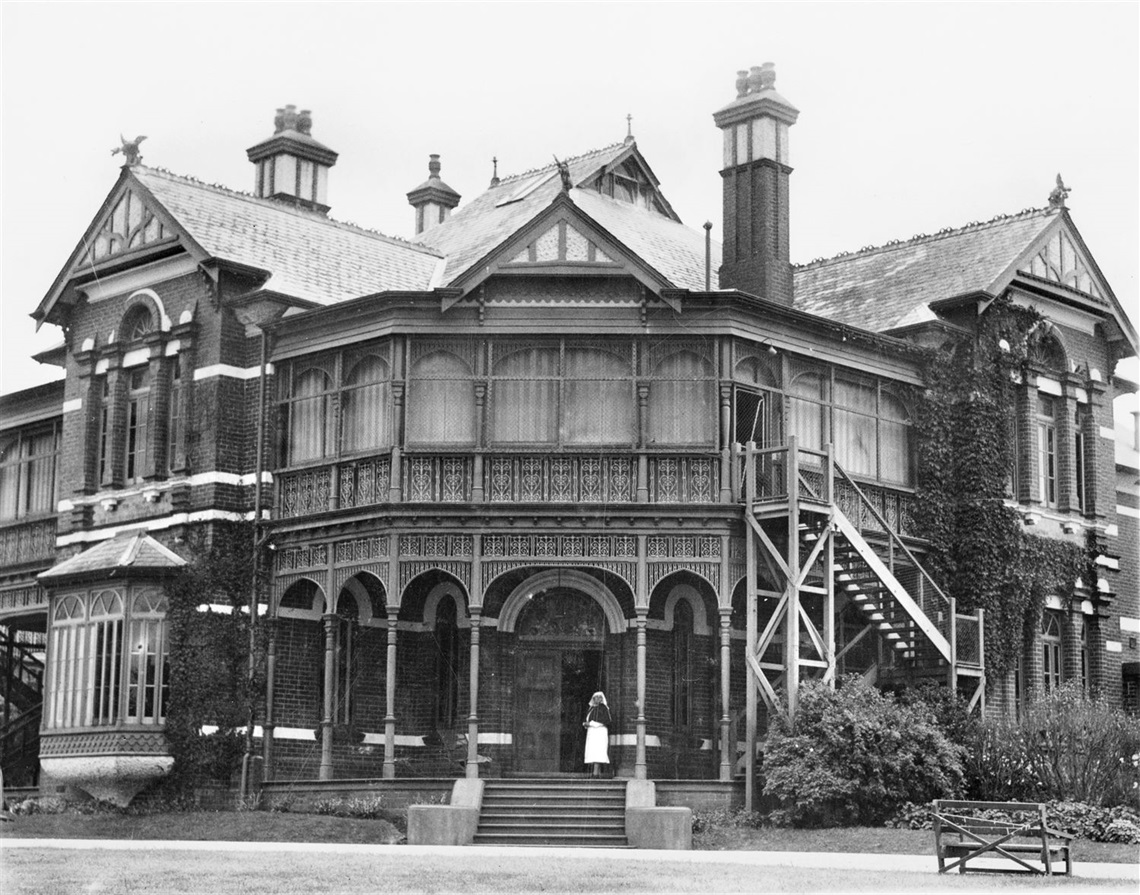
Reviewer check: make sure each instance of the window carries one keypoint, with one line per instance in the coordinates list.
(28, 472)
(137, 323)
(175, 424)
(682, 400)
(365, 404)
(441, 399)
(807, 412)
(1046, 451)
(525, 395)
(138, 410)
(682, 664)
(757, 404)
(599, 397)
(103, 433)
(89, 654)
(310, 425)
(1080, 468)
(447, 662)
(1051, 668)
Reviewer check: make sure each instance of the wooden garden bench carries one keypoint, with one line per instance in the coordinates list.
(962, 833)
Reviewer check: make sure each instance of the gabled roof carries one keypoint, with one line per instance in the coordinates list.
(136, 553)
(477, 229)
(306, 255)
(309, 256)
(893, 285)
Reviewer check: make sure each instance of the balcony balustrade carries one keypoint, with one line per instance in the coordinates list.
(27, 542)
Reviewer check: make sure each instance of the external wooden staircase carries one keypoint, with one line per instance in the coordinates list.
(553, 812)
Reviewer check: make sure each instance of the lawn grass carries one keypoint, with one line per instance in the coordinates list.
(36, 871)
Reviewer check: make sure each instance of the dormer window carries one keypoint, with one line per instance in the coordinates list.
(628, 182)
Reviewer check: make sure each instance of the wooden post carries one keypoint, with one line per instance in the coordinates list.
(751, 633)
(269, 725)
(727, 750)
(325, 770)
(640, 770)
(829, 571)
(473, 696)
(390, 699)
(953, 646)
(792, 640)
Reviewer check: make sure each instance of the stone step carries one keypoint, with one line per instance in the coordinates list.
(566, 840)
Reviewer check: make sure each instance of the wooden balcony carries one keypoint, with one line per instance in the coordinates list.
(27, 542)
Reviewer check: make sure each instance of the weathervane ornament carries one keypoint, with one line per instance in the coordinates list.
(130, 150)
(1059, 195)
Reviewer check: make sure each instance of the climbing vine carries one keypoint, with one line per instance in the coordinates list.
(209, 656)
(979, 550)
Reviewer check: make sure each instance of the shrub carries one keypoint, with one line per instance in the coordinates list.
(1064, 747)
(854, 756)
(721, 818)
(1092, 822)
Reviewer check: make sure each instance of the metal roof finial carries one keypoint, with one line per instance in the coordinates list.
(1059, 195)
(629, 128)
(130, 150)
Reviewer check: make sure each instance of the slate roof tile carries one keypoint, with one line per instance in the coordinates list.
(125, 553)
(311, 256)
(893, 285)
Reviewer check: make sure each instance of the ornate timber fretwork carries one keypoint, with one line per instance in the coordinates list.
(561, 479)
(430, 479)
(302, 558)
(364, 482)
(367, 554)
(737, 561)
(616, 554)
(104, 742)
(27, 542)
(699, 554)
(18, 599)
(306, 492)
(130, 224)
(449, 553)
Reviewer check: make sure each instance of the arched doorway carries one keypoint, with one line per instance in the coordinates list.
(560, 626)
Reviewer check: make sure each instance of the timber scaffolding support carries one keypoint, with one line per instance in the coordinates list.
(809, 564)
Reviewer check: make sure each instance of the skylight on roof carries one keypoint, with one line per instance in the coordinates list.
(523, 191)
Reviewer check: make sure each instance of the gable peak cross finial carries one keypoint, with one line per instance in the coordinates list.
(130, 150)
(495, 171)
(629, 128)
(1059, 195)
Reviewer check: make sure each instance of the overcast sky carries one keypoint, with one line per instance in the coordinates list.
(913, 116)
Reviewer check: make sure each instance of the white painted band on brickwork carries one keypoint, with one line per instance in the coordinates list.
(1113, 646)
(402, 739)
(1130, 625)
(1106, 432)
(102, 366)
(136, 357)
(231, 371)
(202, 478)
(229, 478)
(492, 738)
(630, 739)
(103, 534)
(172, 348)
(1122, 510)
(73, 405)
(1048, 386)
(1087, 608)
(1053, 602)
(1109, 562)
(1112, 531)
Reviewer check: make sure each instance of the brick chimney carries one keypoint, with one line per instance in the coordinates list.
(292, 167)
(756, 253)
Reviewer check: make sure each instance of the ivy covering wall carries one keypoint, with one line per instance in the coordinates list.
(979, 550)
(209, 656)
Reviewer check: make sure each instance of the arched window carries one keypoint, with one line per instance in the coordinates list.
(446, 635)
(311, 434)
(807, 410)
(524, 399)
(441, 401)
(138, 322)
(757, 406)
(365, 404)
(682, 401)
(599, 398)
(1051, 667)
(683, 666)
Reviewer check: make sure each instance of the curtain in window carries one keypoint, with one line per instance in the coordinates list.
(894, 441)
(806, 417)
(682, 401)
(9, 478)
(599, 398)
(855, 410)
(525, 398)
(365, 402)
(441, 401)
(41, 472)
(310, 415)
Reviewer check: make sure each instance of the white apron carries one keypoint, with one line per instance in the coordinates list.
(597, 744)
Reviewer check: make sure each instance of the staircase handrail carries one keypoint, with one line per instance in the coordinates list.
(28, 718)
(27, 654)
(893, 535)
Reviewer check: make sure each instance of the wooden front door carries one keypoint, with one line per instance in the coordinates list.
(538, 709)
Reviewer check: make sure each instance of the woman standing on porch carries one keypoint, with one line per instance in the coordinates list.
(597, 726)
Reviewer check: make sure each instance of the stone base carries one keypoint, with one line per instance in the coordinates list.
(112, 778)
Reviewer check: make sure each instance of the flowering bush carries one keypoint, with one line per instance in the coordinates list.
(855, 756)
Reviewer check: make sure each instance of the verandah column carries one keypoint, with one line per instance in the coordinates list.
(473, 698)
(640, 764)
(325, 771)
(390, 699)
(725, 685)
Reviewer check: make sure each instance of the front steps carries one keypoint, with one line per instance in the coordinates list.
(572, 813)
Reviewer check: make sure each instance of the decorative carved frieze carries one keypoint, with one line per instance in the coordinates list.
(108, 742)
(361, 549)
(441, 545)
(308, 556)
